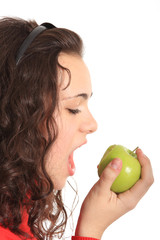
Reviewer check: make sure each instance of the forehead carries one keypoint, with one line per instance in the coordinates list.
(80, 76)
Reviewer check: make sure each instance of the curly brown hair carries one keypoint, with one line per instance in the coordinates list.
(24, 91)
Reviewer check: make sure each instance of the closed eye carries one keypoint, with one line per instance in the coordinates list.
(73, 111)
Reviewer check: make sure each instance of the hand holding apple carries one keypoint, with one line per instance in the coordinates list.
(102, 206)
(131, 168)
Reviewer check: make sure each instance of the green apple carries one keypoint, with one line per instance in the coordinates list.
(131, 168)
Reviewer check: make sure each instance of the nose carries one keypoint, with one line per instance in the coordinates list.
(89, 124)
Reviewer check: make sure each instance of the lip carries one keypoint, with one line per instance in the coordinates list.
(82, 144)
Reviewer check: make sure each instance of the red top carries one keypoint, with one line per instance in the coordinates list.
(6, 234)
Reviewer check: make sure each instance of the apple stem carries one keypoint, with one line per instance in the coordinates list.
(135, 149)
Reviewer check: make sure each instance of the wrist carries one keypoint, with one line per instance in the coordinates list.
(83, 238)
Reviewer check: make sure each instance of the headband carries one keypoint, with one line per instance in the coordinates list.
(29, 39)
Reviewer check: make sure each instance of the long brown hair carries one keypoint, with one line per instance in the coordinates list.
(24, 91)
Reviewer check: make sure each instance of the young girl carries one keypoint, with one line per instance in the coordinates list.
(45, 87)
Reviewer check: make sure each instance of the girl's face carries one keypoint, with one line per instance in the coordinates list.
(73, 119)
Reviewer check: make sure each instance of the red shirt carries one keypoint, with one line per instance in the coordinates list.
(6, 234)
(83, 238)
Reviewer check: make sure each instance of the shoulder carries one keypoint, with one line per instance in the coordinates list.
(6, 234)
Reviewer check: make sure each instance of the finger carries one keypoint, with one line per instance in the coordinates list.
(109, 174)
(147, 178)
(146, 168)
(133, 195)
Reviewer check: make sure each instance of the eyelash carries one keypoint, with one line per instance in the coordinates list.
(74, 111)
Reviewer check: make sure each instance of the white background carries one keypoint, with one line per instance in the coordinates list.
(122, 51)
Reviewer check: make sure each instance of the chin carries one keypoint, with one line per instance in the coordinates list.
(59, 185)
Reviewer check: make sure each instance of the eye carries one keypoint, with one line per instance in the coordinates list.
(73, 111)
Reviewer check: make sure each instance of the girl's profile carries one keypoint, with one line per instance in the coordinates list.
(45, 87)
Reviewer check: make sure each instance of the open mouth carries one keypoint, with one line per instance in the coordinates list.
(71, 165)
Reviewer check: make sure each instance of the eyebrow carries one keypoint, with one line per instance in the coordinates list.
(83, 95)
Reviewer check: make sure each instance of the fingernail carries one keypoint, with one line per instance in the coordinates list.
(116, 164)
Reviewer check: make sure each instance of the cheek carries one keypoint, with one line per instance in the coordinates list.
(56, 158)
(56, 167)
(66, 132)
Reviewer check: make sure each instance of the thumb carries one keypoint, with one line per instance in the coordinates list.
(109, 174)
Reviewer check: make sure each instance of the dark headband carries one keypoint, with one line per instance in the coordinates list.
(35, 32)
